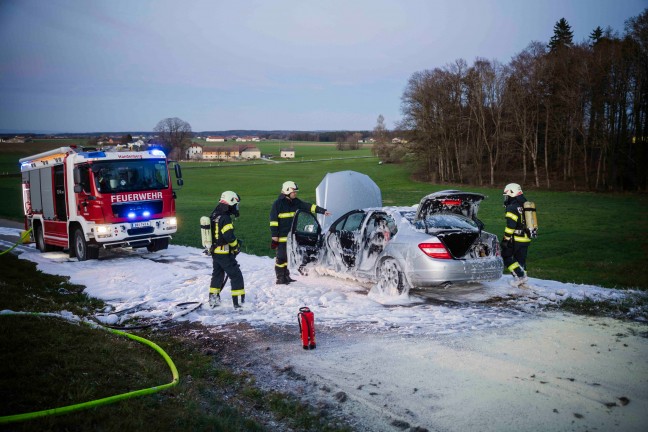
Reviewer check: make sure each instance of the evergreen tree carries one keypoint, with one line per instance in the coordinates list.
(596, 35)
(563, 36)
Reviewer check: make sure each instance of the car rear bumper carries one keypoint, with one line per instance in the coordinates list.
(433, 272)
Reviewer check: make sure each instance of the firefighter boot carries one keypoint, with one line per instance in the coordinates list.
(214, 300)
(519, 281)
(287, 275)
(281, 276)
(237, 306)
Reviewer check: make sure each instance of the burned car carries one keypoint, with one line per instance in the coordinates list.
(437, 243)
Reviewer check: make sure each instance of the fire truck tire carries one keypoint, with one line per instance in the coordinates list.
(158, 244)
(82, 250)
(40, 240)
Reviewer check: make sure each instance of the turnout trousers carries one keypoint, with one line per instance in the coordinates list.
(226, 264)
(515, 258)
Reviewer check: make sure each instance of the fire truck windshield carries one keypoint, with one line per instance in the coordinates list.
(130, 175)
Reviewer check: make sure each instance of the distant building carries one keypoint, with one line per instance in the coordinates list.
(195, 151)
(287, 153)
(215, 139)
(249, 152)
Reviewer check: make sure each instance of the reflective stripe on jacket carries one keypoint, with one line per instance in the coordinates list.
(283, 211)
(515, 221)
(223, 237)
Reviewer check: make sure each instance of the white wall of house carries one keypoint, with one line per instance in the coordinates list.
(288, 154)
(251, 154)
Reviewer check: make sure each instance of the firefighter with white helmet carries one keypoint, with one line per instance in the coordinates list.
(224, 248)
(281, 217)
(516, 240)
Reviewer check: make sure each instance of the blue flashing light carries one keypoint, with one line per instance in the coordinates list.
(156, 152)
(131, 215)
(92, 155)
(146, 213)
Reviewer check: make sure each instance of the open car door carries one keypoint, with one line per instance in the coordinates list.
(304, 241)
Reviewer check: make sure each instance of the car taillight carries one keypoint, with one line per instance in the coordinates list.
(451, 202)
(435, 250)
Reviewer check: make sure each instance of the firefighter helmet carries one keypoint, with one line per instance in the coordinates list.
(289, 187)
(512, 190)
(230, 198)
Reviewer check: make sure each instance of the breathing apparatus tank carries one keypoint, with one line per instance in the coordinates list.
(530, 219)
(205, 232)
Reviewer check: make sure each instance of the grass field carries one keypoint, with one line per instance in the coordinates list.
(583, 237)
(46, 363)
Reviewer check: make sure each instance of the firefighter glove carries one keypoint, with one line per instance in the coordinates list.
(274, 244)
(235, 250)
(507, 242)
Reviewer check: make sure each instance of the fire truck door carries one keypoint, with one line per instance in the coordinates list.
(59, 193)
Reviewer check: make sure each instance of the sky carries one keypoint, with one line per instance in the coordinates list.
(436, 364)
(123, 65)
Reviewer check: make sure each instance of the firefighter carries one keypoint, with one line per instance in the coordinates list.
(515, 243)
(281, 217)
(225, 247)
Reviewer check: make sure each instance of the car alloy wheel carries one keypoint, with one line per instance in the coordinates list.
(391, 277)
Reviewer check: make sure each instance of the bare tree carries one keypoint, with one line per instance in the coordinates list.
(486, 102)
(175, 135)
(524, 102)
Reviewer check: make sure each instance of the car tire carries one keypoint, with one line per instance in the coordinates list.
(82, 250)
(391, 277)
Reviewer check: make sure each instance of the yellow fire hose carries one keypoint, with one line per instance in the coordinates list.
(24, 236)
(97, 402)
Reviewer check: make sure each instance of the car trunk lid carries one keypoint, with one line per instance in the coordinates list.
(457, 241)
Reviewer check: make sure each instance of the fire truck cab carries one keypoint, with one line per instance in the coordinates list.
(84, 200)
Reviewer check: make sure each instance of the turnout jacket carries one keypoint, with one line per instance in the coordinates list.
(282, 213)
(223, 237)
(515, 227)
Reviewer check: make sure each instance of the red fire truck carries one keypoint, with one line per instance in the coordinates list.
(86, 199)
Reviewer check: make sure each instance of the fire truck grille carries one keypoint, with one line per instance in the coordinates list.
(140, 231)
(121, 210)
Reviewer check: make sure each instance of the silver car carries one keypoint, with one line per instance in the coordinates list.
(439, 242)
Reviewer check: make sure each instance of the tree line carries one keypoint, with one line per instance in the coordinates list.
(559, 115)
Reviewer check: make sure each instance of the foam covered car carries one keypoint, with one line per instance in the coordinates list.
(438, 242)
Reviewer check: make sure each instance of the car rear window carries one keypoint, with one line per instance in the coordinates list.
(441, 221)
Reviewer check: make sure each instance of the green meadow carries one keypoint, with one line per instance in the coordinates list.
(589, 238)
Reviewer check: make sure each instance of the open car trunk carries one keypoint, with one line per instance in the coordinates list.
(458, 240)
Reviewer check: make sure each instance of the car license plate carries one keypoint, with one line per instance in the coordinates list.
(141, 224)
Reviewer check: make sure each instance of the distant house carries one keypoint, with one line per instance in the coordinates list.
(215, 139)
(16, 140)
(195, 151)
(221, 153)
(250, 152)
(248, 139)
(399, 141)
(287, 153)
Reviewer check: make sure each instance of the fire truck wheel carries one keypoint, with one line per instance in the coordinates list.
(158, 244)
(40, 240)
(82, 251)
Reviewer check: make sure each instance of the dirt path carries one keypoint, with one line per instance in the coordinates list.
(557, 372)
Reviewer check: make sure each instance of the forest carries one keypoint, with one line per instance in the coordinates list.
(560, 115)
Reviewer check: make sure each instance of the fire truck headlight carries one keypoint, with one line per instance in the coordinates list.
(103, 230)
(173, 221)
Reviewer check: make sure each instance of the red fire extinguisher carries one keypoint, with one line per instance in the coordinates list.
(306, 320)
